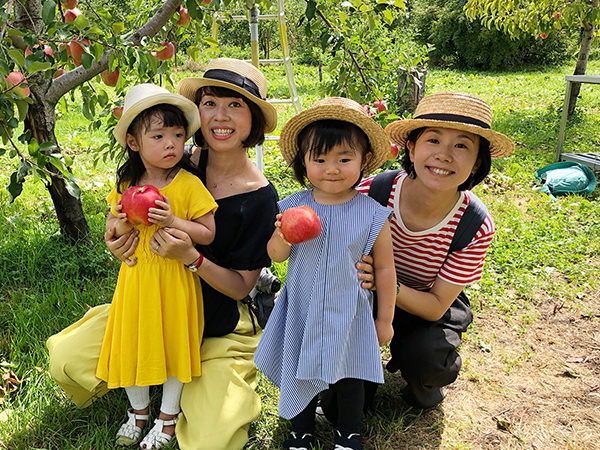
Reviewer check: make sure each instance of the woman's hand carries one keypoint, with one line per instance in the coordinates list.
(365, 272)
(173, 244)
(124, 246)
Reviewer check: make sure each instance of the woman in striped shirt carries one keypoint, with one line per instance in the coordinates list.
(448, 150)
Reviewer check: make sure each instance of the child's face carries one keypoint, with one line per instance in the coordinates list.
(336, 172)
(226, 121)
(159, 147)
(444, 158)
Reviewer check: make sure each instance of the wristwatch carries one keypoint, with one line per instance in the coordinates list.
(193, 267)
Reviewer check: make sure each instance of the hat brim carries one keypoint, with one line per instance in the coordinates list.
(189, 86)
(189, 109)
(500, 145)
(380, 144)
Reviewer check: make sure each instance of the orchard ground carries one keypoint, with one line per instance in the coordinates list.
(531, 359)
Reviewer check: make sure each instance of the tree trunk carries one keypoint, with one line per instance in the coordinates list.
(40, 120)
(587, 36)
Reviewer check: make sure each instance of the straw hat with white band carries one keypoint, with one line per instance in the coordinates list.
(146, 95)
(239, 76)
(454, 110)
(336, 108)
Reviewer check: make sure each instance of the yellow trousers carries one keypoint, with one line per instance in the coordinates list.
(216, 408)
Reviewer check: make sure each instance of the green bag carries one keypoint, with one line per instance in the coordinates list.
(566, 177)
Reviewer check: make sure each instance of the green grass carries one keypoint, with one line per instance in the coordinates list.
(543, 249)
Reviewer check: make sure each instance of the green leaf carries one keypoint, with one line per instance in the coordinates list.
(15, 186)
(311, 7)
(47, 146)
(22, 108)
(388, 16)
(81, 22)
(118, 27)
(14, 32)
(17, 56)
(37, 66)
(87, 60)
(73, 188)
(48, 12)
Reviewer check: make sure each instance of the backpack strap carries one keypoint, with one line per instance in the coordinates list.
(381, 186)
(469, 224)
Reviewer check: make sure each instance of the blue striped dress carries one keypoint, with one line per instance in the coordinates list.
(322, 329)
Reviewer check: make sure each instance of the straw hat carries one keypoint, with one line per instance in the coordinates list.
(457, 111)
(239, 76)
(146, 95)
(336, 108)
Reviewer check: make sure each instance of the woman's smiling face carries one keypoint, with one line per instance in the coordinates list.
(226, 121)
(444, 157)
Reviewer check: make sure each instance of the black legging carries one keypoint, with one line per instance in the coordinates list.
(350, 395)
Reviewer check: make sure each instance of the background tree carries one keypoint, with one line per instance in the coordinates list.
(540, 18)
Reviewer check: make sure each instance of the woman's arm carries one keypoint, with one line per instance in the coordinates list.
(385, 282)
(431, 305)
(176, 244)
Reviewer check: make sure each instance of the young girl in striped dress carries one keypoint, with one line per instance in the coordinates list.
(321, 332)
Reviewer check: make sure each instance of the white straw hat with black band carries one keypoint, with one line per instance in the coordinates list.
(336, 108)
(146, 95)
(454, 110)
(240, 77)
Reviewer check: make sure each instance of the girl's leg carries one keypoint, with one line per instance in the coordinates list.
(350, 396)
(164, 427)
(303, 426)
(131, 431)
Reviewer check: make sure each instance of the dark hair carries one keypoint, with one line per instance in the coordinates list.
(318, 137)
(484, 158)
(259, 123)
(132, 170)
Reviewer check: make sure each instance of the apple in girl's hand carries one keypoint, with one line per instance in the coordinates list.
(137, 200)
(300, 224)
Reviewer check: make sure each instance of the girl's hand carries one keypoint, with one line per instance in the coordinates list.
(162, 216)
(365, 272)
(124, 246)
(385, 331)
(278, 230)
(173, 244)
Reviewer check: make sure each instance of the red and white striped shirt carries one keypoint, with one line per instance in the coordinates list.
(422, 256)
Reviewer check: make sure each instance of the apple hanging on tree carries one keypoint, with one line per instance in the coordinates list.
(184, 17)
(72, 14)
(166, 52)
(137, 200)
(16, 81)
(69, 4)
(110, 78)
(300, 224)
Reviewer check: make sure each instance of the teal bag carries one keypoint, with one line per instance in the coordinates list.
(566, 177)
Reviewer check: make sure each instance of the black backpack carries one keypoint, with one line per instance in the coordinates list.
(467, 227)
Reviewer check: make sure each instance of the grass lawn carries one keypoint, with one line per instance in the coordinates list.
(531, 359)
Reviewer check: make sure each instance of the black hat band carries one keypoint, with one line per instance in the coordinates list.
(234, 78)
(454, 118)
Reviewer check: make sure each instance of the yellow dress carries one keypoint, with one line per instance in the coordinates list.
(155, 323)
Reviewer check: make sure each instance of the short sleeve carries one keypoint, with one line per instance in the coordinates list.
(199, 199)
(380, 214)
(112, 199)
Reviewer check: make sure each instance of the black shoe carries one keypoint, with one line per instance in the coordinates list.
(422, 398)
(347, 441)
(297, 442)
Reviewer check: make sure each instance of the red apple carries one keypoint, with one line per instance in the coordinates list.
(75, 50)
(543, 35)
(394, 150)
(380, 105)
(60, 71)
(47, 50)
(166, 52)
(118, 111)
(206, 2)
(69, 4)
(71, 14)
(110, 78)
(137, 200)
(300, 224)
(16, 81)
(184, 17)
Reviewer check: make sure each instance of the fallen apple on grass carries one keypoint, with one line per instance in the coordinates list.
(300, 224)
(137, 200)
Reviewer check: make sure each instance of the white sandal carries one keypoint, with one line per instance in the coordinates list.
(129, 433)
(156, 439)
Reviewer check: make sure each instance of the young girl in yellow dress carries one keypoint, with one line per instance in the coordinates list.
(155, 321)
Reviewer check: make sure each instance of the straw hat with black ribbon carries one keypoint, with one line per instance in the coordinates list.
(454, 110)
(336, 108)
(239, 76)
(146, 95)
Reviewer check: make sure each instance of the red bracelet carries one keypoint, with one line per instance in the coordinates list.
(194, 266)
